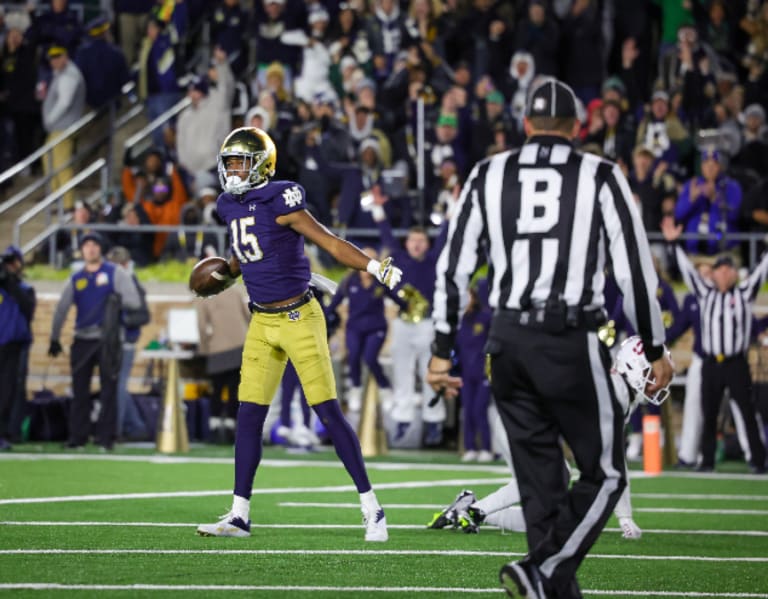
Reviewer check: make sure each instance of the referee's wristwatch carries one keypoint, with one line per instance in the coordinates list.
(442, 346)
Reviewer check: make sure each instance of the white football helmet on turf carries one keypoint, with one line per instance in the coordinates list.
(632, 364)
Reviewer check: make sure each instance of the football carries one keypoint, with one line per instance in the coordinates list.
(210, 276)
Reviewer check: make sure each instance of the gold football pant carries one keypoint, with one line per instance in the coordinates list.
(272, 339)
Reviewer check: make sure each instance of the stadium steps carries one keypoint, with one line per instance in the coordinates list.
(91, 186)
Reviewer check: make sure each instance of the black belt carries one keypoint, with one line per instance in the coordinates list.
(547, 319)
(720, 358)
(304, 299)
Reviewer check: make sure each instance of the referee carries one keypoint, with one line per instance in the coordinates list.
(549, 219)
(726, 326)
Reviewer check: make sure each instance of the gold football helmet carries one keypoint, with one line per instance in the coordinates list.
(259, 158)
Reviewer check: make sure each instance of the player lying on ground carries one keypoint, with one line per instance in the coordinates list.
(268, 222)
(501, 508)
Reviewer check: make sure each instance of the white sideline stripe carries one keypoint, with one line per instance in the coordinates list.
(660, 531)
(384, 466)
(48, 586)
(655, 510)
(368, 553)
(257, 491)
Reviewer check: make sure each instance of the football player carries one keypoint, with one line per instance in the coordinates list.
(630, 376)
(268, 222)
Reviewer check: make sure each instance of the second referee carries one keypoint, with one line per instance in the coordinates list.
(550, 218)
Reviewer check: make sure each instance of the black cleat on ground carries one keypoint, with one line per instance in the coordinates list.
(449, 516)
(522, 579)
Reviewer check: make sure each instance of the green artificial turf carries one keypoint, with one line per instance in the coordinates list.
(289, 555)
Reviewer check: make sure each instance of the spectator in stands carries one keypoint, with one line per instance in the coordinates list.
(201, 128)
(137, 180)
(662, 131)
(489, 114)
(130, 424)
(324, 140)
(18, 77)
(385, 27)
(190, 246)
(59, 26)
(222, 321)
(68, 242)
(615, 138)
(653, 188)
(164, 207)
(753, 154)
(97, 339)
(349, 37)
(102, 64)
(316, 58)
(137, 243)
(710, 204)
(63, 105)
(157, 84)
(228, 31)
(539, 35)
(582, 47)
(445, 145)
(516, 83)
(132, 17)
(17, 308)
(272, 21)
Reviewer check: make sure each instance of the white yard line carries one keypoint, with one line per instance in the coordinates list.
(48, 586)
(660, 531)
(700, 496)
(369, 553)
(257, 491)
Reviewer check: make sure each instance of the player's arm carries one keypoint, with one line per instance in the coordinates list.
(344, 252)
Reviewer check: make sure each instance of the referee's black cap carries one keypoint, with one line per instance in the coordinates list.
(552, 98)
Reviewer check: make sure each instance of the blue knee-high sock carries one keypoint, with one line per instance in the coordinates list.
(345, 441)
(250, 424)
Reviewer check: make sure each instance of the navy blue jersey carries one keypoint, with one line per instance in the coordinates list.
(271, 256)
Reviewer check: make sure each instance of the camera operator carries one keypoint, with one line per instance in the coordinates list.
(17, 306)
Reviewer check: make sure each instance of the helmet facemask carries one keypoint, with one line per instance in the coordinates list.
(636, 370)
(237, 184)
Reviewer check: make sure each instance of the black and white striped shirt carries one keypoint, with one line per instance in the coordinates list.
(726, 317)
(549, 217)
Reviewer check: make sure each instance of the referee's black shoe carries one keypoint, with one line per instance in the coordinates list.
(522, 579)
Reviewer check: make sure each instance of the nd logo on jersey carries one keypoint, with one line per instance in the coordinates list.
(292, 197)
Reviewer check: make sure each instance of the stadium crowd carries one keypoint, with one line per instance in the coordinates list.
(675, 91)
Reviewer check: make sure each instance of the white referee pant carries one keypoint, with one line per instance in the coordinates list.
(693, 415)
(411, 353)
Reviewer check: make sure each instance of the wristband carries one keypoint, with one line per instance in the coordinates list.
(373, 267)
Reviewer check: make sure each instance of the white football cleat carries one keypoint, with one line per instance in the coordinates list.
(630, 530)
(485, 457)
(229, 526)
(469, 456)
(375, 525)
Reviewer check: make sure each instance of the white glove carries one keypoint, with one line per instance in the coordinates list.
(385, 272)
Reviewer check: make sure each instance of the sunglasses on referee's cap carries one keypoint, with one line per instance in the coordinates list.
(552, 98)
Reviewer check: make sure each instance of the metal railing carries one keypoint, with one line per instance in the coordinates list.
(159, 121)
(45, 151)
(46, 204)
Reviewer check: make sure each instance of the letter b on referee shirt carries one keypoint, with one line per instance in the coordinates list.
(539, 199)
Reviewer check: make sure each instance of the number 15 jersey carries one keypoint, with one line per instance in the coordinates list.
(271, 256)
